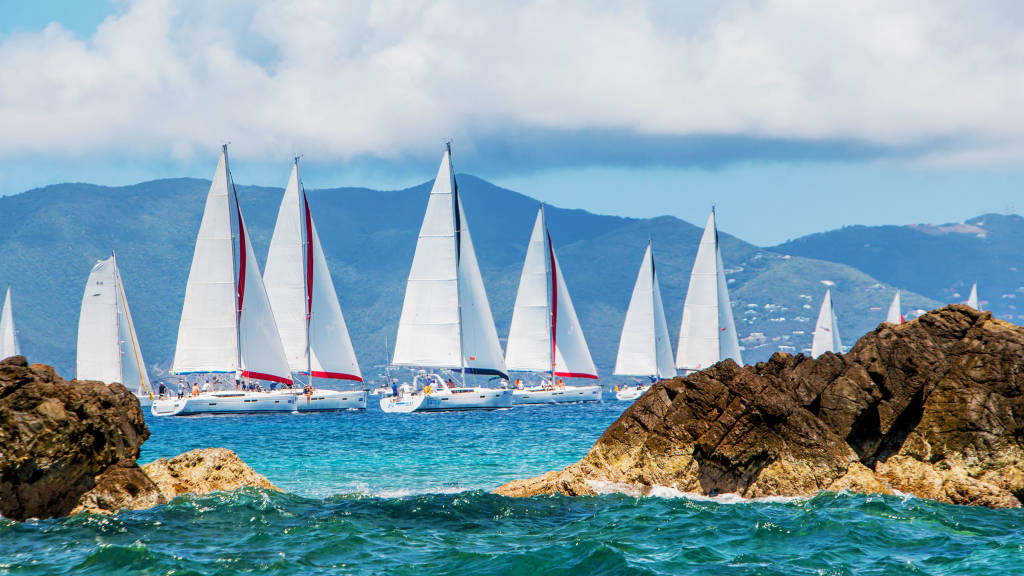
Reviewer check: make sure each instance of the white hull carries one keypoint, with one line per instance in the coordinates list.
(566, 395)
(448, 400)
(630, 393)
(227, 402)
(144, 401)
(322, 400)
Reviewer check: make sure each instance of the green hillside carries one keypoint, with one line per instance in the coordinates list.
(50, 238)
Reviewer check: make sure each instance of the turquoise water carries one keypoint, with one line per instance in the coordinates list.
(375, 494)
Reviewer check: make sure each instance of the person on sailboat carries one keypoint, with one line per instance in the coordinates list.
(163, 390)
(394, 386)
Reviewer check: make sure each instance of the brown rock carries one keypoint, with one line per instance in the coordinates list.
(203, 471)
(934, 407)
(58, 438)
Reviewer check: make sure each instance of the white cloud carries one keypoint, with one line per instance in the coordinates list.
(389, 78)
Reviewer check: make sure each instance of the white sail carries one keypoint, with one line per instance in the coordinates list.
(99, 340)
(329, 343)
(895, 316)
(133, 369)
(8, 337)
(480, 347)
(261, 354)
(972, 300)
(285, 275)
(572, 356)
(208, 331)
(428, 329)
(446, 319)
(544, 322)
(708, 332)
(108, 348)
(826, 331)
(644, 348)
(529, 336)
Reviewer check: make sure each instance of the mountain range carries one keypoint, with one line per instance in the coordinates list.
(50, 238)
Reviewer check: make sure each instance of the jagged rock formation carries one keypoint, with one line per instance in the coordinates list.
(61, 440)
(934, 407)
(203, 471)
(69, 447)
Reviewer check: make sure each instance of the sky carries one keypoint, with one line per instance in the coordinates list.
(791, 116)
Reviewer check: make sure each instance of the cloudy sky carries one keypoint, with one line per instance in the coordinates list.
(792, 116)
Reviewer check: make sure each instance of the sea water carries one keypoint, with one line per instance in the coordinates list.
(370, 493)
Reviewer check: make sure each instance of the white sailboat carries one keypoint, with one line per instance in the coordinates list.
(8, 336)
(644, 347)
(305, 306)
(708, 332)
(108, 348)
(895, 316)
(972, 299)
(826, 331)
(446, 321)
(227, 333)
(545, 336)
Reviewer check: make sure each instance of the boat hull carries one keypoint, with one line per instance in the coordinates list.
(565, 395)
(449, 401)
(630, 394)
(224, 403)
(323, 400)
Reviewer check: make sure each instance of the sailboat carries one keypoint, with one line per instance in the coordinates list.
(708, 332)
(826, 331)
(108, 348)
(306, 309)
(972, 299)
(227, 332)
(895, 316)
(545, 336)
(446, 322)
(8, 337)
(644, 348)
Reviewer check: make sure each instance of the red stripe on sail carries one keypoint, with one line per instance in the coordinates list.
(241, 257)
(309, 258)
(337, 376)
(554, 300)
(262, 376)
(576, 375)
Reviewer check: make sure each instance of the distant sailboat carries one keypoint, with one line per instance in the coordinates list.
(446, 320)
(545, 336)
(8, 336)
(313, 331)
(227, 329)
(644, 347)
(108, 348)
(895, 316)
(972, 300)
(826, 331)
(708, 333)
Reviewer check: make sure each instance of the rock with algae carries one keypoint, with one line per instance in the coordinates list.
(933, 407)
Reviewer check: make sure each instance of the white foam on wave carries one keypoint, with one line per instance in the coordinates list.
(657, 491)
(366, 490)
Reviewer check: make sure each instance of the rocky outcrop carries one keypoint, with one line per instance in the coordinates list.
(204, 471)
(69, 447)
(933, 407)
(61, 440)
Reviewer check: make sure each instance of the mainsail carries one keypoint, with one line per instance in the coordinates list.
(226, 322)
(302, 295)
(826, 331)
(708, 333)
(108, 348)
(446, 319)
(972, 300)
(895, 316)
(8, 337)
(545, 335)
(644, 347)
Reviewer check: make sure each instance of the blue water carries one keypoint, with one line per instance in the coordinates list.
(368, 493)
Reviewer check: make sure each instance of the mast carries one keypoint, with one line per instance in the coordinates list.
(307, 267)
(238, 253)
(549, 268)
